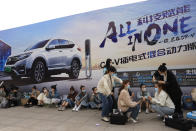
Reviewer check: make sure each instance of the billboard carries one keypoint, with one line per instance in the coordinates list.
(137, 37)
(5, 52)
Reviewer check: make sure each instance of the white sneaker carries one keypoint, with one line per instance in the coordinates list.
(170, 116)
(60, 108)
(77, 110)
(133, 120)
(164, 119)
(140, 111)
(74, 109)
(105, 119)
(147, 111)
(137, 118)
(158, 115)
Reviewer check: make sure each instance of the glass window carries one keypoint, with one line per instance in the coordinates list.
(63, 42)
(54, 42)
(40, 44)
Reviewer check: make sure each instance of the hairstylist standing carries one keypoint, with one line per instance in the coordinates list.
(172, 87)
(104, 88)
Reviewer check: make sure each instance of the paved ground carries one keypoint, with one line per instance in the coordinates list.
(49, 119)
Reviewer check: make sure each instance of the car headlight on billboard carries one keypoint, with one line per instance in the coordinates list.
(23, 56)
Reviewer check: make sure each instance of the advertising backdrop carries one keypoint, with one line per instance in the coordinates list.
(137, 37)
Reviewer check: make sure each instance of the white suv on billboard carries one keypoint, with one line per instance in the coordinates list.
(47, 57)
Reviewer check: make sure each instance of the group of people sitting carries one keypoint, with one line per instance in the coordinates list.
(161, 103)
(166, 100)
(73, 100)
(9, 98)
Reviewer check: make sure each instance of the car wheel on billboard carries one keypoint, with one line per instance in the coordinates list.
(75, 69)
(39, 71)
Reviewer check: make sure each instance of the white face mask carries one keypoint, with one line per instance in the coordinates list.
(156, 89)
(143, 89)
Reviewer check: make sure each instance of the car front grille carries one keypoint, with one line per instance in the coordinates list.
(11, 61)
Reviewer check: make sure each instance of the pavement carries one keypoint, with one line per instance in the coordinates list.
(49, 119)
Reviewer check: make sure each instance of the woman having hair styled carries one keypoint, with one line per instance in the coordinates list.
(172, 87)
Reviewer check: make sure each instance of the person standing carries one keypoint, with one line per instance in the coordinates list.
(104, 88)
(172, 88)
(107, 65)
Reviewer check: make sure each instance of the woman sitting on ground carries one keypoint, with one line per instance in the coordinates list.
(126, 104)
(162, 103)
(81, 99)
(33, 99)
(3, 97)
(14, 96)
(54, 95)
(69, 102)
(43, 98)
(95, 101)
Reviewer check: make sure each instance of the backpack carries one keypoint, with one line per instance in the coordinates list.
(188, 104)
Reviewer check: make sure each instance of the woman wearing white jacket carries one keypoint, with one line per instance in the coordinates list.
(104, 88)
(162, 103)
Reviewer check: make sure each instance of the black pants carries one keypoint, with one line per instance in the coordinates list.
(33, 101)
(177, 102)
(114, 105)
(13, 102)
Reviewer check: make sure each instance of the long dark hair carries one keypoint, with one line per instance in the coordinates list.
(107, 65)
(123, 85)
(72, 88)
(43, 89)
(163, 86)
(162, 68)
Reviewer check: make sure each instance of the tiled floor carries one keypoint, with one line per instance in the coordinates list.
(49, 119)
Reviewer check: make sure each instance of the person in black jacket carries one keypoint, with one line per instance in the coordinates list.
(172, 87)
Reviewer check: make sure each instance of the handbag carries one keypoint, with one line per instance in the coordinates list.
(118, 117)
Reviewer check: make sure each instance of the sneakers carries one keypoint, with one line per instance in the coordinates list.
(105, 119)
(147, 111)
(61, 108)
(164, 119)
(74, 109)
(140, 111)
(158, 115)
(77, 109)
(133, 120)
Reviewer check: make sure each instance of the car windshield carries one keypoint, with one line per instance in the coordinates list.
(40, 44)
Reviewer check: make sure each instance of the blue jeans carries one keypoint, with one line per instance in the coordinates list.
(106, 104)
(71, 103)
(162, 110)
(134, 111)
